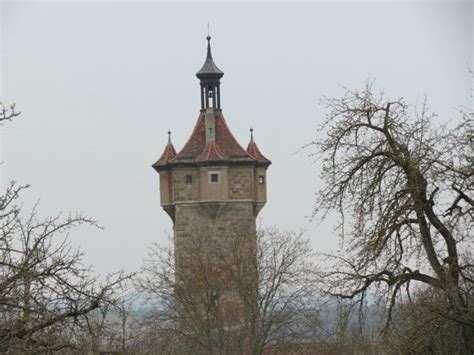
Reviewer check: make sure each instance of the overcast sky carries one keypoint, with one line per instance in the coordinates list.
(100, 83)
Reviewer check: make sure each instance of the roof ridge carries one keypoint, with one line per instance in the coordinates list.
(220, 116)
(212, 152)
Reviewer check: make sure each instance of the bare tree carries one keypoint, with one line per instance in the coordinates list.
(403, 189)
(420, 327)
(269, 295)
(46, 293)
(7, 112)
(114, 327)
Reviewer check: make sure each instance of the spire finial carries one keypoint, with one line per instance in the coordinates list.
(209, 55)
(251, 133)
(169, 136)
(208, 37)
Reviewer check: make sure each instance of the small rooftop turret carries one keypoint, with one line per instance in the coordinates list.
(210, 76)
(168, 154)
(255, 153)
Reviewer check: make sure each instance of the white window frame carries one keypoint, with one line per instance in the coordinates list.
(218, 177)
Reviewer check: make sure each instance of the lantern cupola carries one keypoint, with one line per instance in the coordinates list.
(209, 76)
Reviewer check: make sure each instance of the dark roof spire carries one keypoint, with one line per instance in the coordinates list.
(209, 69)
(169, 136)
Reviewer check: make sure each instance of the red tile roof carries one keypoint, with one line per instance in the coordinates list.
(253, 150)
(224, 148)
(212, 153)
(168, 154)
(224, 141)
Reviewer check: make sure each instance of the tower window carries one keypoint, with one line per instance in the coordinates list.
(214, 177)
(189, 179)
(214, 299)
(261, 179)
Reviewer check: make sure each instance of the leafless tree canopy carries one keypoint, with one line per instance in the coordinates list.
(270, 294)
(48, 298)
(7, 112)
(46, 294)
(419, 327)
(403, 188)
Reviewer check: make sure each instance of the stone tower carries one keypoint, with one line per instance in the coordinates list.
(213, 190)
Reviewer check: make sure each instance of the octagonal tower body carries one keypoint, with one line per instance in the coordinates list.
(213, 190)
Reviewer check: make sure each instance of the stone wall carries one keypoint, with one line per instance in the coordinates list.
(241, 183)
(181, 190)
(236, 183)
(215, 237)
(216, 253)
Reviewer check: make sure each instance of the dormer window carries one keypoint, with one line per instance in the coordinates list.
(214, 177)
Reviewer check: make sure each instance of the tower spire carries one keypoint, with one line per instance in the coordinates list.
(209, 76)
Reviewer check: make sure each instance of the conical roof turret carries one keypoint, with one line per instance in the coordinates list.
(168, 154)
(254, 152)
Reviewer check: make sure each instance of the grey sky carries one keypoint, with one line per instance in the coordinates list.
(99, 84)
